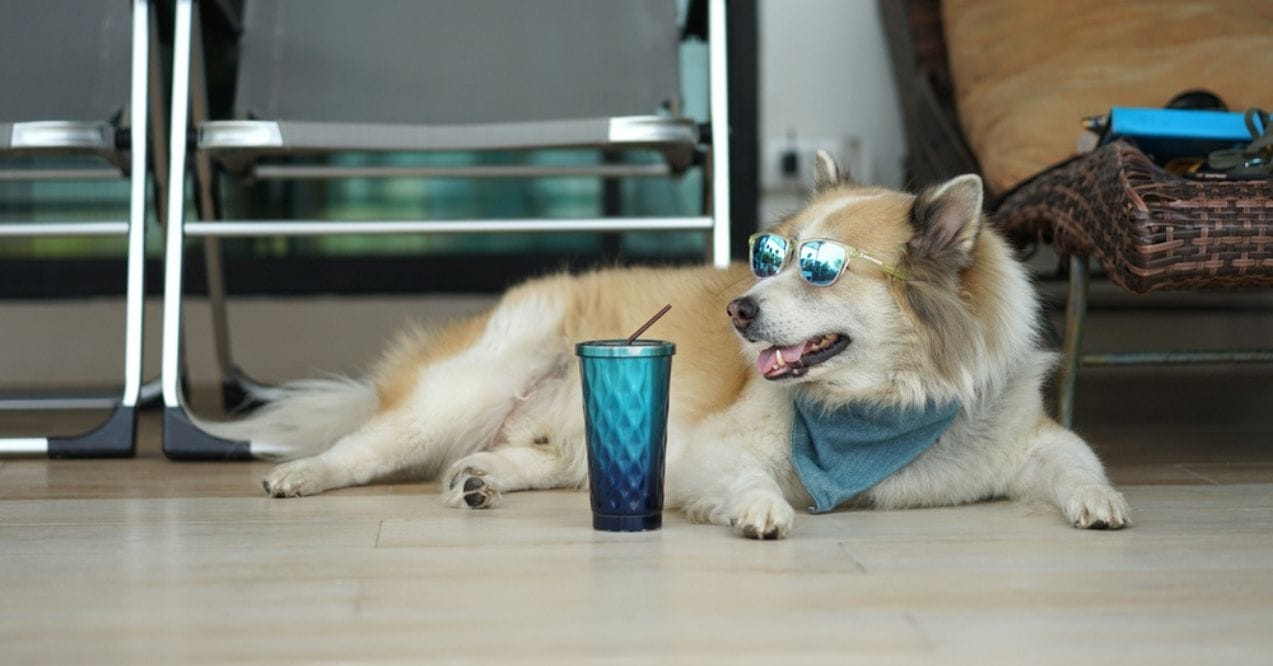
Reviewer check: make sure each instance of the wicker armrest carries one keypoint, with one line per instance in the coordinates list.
(1150, 230)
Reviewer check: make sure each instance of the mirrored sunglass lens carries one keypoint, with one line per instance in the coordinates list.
(767, 253)
(821, 263)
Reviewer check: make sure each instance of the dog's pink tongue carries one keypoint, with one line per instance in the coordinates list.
(766, 362)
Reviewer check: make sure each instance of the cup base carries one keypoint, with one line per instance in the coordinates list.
(644, 523)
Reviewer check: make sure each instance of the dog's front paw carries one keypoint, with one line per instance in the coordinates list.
(296, 478)
(762, 515)
(467, 486)
(1097, 507)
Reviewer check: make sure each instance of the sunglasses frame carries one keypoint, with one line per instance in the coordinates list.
(794, 246)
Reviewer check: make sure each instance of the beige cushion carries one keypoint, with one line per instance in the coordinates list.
(1026, 73)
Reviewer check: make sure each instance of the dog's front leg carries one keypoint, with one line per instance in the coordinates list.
(719, 484)
(1061, 469)
(380, 447)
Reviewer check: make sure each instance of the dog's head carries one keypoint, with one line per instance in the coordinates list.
(907, 309)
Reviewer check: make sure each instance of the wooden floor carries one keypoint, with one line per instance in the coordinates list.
(150, 561)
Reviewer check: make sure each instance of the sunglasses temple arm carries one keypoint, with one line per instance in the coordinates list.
(855, 253)
(896, 271)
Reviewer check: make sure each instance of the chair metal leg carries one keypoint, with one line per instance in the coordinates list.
(116, 438)
(1072, 345)
(213, 270)
(183, 439)
(239, 392)
(236, 386)
(158, 126)
(208, 210)
(718, 95)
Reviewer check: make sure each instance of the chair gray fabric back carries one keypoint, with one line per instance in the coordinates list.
(64, 59)
(456, 62)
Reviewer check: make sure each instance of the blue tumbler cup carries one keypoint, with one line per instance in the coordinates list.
(625, 397)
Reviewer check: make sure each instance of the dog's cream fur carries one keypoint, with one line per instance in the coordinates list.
(493, 404)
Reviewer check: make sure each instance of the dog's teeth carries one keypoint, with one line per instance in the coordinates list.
(779, 361)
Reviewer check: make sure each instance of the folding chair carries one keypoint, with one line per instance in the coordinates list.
(318, 77)
(71, 87)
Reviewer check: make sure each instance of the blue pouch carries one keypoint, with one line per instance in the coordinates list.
(1168, 134)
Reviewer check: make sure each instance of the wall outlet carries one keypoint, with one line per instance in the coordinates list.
(788, 161)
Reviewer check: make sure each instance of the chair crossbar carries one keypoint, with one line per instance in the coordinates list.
(255, 228)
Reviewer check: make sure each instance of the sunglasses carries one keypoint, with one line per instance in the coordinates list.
(821, 261)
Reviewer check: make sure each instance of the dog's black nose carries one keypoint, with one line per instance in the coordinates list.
(742, 311)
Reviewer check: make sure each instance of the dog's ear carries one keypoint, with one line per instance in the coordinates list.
(826, 173)
(947, 219)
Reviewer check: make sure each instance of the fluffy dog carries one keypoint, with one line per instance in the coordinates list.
(945, 317)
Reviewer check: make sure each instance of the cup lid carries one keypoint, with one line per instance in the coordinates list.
(621, 349)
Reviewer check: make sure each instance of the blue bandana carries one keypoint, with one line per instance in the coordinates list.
(840, 453)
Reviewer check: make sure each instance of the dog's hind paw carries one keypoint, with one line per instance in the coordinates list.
(1097, 507)
(296, 478)
(470, 488)
(763, 516)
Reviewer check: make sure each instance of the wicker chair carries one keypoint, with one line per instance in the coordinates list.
(1150, 230)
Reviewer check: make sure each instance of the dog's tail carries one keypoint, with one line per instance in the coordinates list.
(301, 418)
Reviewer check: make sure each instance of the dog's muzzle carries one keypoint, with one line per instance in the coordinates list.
(782, 360)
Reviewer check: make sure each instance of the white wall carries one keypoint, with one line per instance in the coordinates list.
(825, 72)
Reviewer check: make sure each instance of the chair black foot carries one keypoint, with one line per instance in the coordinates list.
(116, 438)
(184, 440)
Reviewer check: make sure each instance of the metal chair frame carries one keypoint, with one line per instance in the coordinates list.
(183, 437)
(1073, 356)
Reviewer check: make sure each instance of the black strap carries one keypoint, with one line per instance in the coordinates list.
(1254, 159)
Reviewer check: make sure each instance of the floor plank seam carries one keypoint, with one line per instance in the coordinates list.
(930, 644)
(844, 547)
(1184, 467)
